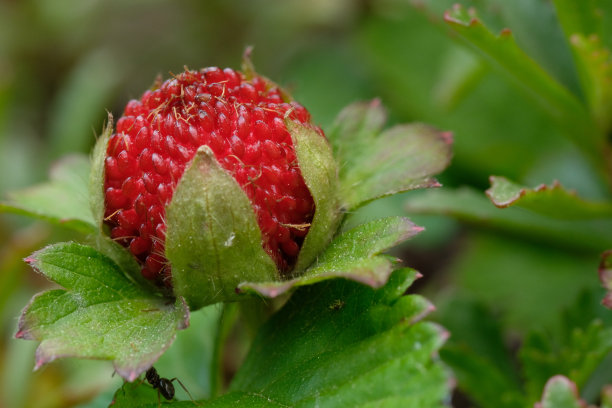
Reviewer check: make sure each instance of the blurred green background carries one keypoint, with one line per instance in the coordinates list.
(65, 63)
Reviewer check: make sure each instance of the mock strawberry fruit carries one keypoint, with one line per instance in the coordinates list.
(244, 122)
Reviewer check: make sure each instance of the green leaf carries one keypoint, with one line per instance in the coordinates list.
(560, 393)
(471, 206)
(61, 200)
(353, 255)
(338, 344)
(543, 279)
(213, 240)
(578, 17)
(595, 71)
(189, 360)
(96, 175)
(470, 369)
(318, 169)
(100, 313)
(553, 201)
(121, 256)
(136, 395)
(461, 73)
(577, 357)
(315, 350)
(477, 350)
(504, 54)
(374, 164)
(193, 355)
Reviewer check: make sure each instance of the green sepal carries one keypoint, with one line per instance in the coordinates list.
(213, 241)
(62, 200)
(96, 175)
(354, 255)
(318, 168)
(99, 314)
(122, 257)
(375, 163)
(74, 195)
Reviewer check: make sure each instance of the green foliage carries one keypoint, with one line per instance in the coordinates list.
(560, 393)
(62, 200)
(504, 53)
(314, 351)
(355, 255)
(376, 163)
(525, 88)
(477, 351)
(320, 173)
(471, 206)
(552, 201)
(96, 174)
(100, 313)
(579, 354)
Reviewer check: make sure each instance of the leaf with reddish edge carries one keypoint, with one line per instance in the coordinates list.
(375, 163)
(605, 276)
(577, 353)
(471, 206)
(99, 314)
(550, 200)
(314, 351)
(560, 392)
(503, 53)
(62, 200)
(353, 255)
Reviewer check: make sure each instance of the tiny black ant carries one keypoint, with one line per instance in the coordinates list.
(164, 386)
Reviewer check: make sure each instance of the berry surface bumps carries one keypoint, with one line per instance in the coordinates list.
(243, 122)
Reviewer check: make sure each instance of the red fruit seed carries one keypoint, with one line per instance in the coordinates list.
(243, 122)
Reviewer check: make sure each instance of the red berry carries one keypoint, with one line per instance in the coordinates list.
(243, 122)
